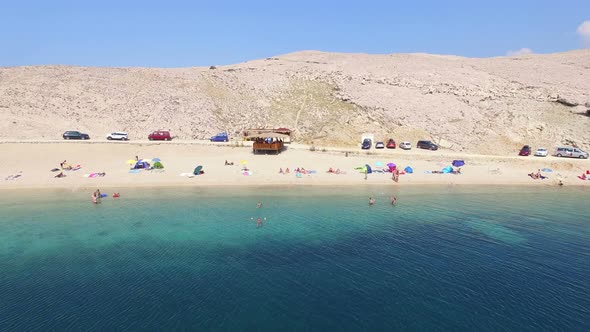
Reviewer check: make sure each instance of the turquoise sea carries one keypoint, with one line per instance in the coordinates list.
(444, 258)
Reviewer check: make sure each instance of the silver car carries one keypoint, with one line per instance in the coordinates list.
(571, 152)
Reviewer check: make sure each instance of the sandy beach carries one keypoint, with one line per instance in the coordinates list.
(33, 161)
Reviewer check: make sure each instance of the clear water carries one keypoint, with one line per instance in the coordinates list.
(192, 259)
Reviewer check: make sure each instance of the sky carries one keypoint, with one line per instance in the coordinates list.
(203, 33)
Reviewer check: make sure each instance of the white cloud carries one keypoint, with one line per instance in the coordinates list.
(522, 51)
(584, 32)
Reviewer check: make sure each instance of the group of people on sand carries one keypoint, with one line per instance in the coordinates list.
(537, 175)
(372, 200)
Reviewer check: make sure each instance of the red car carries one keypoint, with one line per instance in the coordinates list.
(390, 144)
(160, 135)
(525, 151)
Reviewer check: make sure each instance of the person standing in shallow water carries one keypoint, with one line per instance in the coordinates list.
(259, 205)
(371, 201)
(393, 200)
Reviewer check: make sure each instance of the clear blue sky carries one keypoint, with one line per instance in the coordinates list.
(201, 33)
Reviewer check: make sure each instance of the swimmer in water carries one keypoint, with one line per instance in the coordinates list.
(393, 200)
(258, 223)
(371, 201)
(259, 205)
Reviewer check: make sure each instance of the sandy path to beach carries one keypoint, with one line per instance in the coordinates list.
(33, 161)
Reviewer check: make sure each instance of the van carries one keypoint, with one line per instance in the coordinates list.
(160, 135)
(428, 145)
(570, 152)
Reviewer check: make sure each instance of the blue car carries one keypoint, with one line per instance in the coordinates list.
(221, 137)
(366, 144)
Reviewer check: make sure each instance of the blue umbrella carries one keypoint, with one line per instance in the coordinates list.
(458, 163)
(156, 159)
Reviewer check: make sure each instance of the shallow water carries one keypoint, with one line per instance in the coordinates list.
(459, 258)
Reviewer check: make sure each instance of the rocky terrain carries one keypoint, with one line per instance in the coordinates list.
(488, 106)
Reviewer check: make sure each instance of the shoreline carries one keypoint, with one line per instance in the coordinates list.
(264, 169)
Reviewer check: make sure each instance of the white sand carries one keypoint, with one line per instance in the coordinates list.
(35, 160)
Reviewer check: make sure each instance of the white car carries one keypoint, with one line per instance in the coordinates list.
(541, 152)
(119, 135)
(379, 145)
(405, 145)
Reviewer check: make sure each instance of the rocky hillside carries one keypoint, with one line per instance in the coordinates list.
(475, 105)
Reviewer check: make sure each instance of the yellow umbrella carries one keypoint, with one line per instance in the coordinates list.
(131, 161)
(243, 162)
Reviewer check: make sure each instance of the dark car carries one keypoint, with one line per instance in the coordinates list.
(221, 137)
(391, 144)
(75, 135)
(160, 135)
(366, 144)
(525, 151)
(428, 145)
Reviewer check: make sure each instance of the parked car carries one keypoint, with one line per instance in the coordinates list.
(525, 151)
(541, 152)
(379, 145)
(428, 145)
(118, 135)
(160, 135)
(221, 137)
(75, 135)
(391, 144)
(405, 145)
(366, 144)
(571, 152)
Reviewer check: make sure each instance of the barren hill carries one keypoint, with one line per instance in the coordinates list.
(488, 105)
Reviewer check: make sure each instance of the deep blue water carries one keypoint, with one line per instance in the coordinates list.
(444, 258)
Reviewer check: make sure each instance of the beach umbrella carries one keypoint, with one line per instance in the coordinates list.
(458, 163)
(243, 162)
(547, 170)
(391, 164)
(378, 164)
(131, 161)
(197, 170)
(156, 159)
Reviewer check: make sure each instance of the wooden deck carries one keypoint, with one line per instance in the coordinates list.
(275, 147)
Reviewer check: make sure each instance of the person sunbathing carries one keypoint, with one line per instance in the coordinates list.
(60, 175)
(287, 171)
(534, 176)
(331, 170)
(281, 171)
